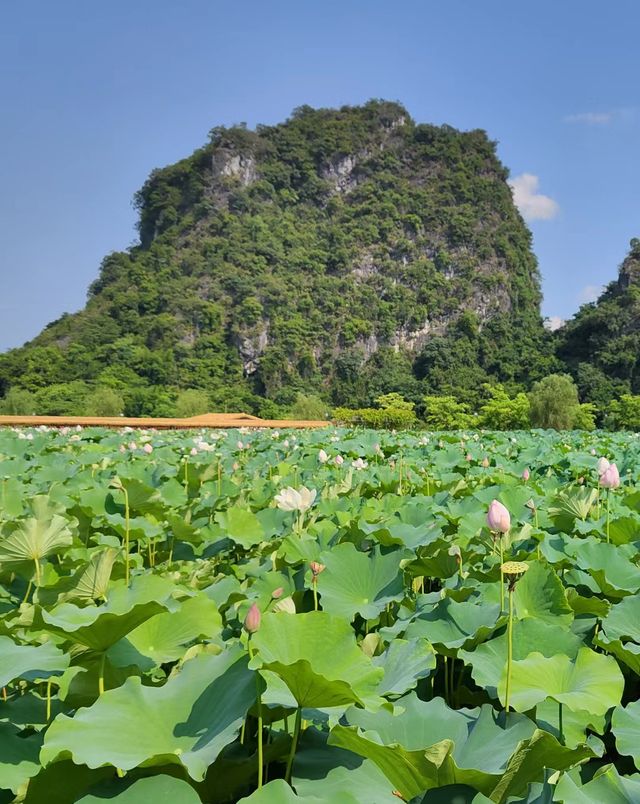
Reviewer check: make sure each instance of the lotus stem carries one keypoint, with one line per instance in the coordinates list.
(501, 575)
(509, 649)
(315, 595)
(101, 673)
(26, 594)
(38, 573)
(560, 729)
(294, 745)
(49, 682)
(127, 528)
(608, 514)
(219, 477)
(259, 702)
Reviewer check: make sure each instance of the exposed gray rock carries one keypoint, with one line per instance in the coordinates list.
(234, 166)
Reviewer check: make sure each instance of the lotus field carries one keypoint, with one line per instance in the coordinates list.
(326, 616)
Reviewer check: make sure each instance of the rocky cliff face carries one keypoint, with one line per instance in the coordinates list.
(297, 257)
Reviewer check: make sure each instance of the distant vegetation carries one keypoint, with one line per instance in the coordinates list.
(342, 257)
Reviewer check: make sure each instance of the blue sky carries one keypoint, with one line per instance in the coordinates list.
(95, 95)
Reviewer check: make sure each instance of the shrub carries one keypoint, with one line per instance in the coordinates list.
(104, 402)
(502, 412)
(554, 402)
(191, 402)
(624, 413)
(393, 413)
(585, 418)
(446, 413)
(18, 402)
(308, 407)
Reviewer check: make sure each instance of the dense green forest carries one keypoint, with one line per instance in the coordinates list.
(340, 256)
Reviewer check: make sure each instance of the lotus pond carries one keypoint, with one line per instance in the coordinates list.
(326, 616)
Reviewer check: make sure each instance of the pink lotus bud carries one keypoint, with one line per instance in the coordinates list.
(603, 465)
(469, 456)
(581, 481)
(148, 449)
(485, 462)
(252, 620)
(277, 593)
(338, 460)
(498, 518)
(235, 466)
(610, 478)
(193, 452)
(316, 568)
(526, 474)
(133, 445)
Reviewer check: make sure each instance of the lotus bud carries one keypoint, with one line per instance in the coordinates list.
(316, 568)
(469, 457)
(610, 478)
(148, 449)
(338, 460)
(498, 518)
(194, 452)
(277, 593)
(322, 456)
(526, 474)
(603, 465)
(485, 461)
(581, 481)
(252, 620)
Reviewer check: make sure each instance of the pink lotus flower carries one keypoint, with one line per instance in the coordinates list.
(526, 474)
(498, 518)
(485, 462)
(322, 456)
(603, 465)
(338, 460)
(277, 593)
(610, 478)
(252, 620)
(148, 449)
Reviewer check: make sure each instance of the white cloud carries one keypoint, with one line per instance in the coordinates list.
(533, 205)
(554, 322)
(590, 293)
(590, 118)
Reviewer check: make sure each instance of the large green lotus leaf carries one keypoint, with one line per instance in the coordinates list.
(429, 745)
(625, 724)
(30, 662)
(143, 497)
(321, 769)
(611, 566)
(187, 721)
(99, 627)
(620, 632)
(316, 655)
(163, 638)
(488, 659)
(539, 593)
(159, 789)
(19, 757)
(606, 787)
(454, 624)
(359, 583)
(279, 792)
(591, 681)
(396, 532)
(35, 538)
(63, 782)
(92, 581)
(574, 724)
(241, 526)
(404, 664)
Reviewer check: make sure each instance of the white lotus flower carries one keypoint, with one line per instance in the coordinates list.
(322, 456)
(290, 499)
(359, 463)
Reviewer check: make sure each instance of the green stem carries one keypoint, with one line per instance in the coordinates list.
(509, 651)
(315, 595)
(101, 674)
(260, 750)
(608, 513)
(445, 664)
(294, 745)
(501, 576)
(26, 594)
(560, 729)
(49, 682)
(38, 574)
(127, 528)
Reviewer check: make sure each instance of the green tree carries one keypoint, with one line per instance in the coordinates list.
(104, 402)
(554, 402)
(446, 413)
(191, 403)
(502, 412)
(309, 407)
(624, 413)
(18, 402)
